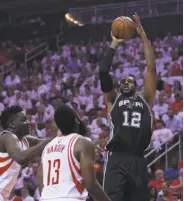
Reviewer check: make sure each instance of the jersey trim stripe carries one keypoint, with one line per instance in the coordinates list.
(111, 129)
(149, 108)
(72, 159)
(5, 163)
(78, 185)
(113, 105)
(4, 159)
(25, 141)
(106, 157)
(6, 167)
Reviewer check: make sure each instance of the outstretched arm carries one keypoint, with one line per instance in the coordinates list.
(12, 146)
(33, 140)
(105, 79)
(151, 74)
(86, 157)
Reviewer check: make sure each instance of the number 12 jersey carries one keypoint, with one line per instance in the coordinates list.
(61, 171)
(131, 125)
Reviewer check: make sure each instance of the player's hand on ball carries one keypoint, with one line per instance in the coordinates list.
(138, 24)
(115, 41)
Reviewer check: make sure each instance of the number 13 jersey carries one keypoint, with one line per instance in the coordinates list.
(61, 170)
(131, 125)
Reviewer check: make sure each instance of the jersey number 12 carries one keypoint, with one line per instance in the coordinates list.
(56, 166)
(135, 119)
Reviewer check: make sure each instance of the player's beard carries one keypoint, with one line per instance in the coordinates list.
(128, 94)
(82, 129)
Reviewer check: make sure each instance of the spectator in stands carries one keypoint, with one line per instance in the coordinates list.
(178, 104)
(27, 183)
(100, 115)
(25, 102)
(46, 130)
(159, 180)
(175, 197)
(177, 88)
(8, 96)
(16, 100)
(175, 69)
(49, 109)
(161, 108)
(160, 82)
(171, 121)
(172, 173)
(93, 108)
(170, 97)
(34, 175)
(165, 192)
(12, 79)
(28, 171)
(26, 195)
(34, 94)
(161, 135)
(152, 193)
(177, 185)
(95, 88)
(41, 117)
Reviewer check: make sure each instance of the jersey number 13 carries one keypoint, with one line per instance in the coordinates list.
(132, 119)
(54, 167)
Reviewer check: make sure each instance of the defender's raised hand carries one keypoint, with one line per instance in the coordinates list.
(138, 24)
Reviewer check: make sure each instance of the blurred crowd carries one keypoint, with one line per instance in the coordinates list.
(11, 51)
(70, 74)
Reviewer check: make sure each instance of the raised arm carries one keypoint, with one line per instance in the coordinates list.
(105, 78)
(86, 154)
(33, 140)
(151, 74)
(12, 146)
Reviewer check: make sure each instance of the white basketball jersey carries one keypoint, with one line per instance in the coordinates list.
(61, 170)
(9, 170)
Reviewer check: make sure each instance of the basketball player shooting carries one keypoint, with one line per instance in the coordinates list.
(14, 148)
(66, 171)
(125, 172)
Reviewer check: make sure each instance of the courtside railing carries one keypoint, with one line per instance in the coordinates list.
(168, 149)
(33, 53)
(59, 38)
(145, 8)
(7, 67)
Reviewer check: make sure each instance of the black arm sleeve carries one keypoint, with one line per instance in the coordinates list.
(105, 79)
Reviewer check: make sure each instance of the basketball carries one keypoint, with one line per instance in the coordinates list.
(123, 28)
